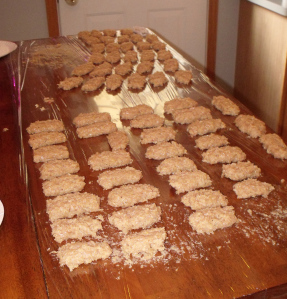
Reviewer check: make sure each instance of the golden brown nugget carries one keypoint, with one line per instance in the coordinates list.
(225, 105)
(93, 84)
(136, 81)
(75, 228)
(203, 199)
(70, 83)
(141, 46)
(84, 34)
(207, 221)
(123, 39)
(56, 168)
(165, 150)
(114, 82)
(157, 45)
(178, 104)
(240, 171)
(250, 125)
(157, 79)
(92, 40)
(71, 204)
(225, 154)
(142, 216)
(133, 112)
(118, 177)
(135, 38)
(144, 245)
(183, 76)
(163, 55)
(189, 180)
(252, 188)
(147, 121)
(107, 39)
(102, 70)
(157, 135)
(50, 125)
(96, 129)
(83, 69)
(174, 165)
(145, 67)
(109, 159)
(170, 65)
(46, 138)
(124, 69)
(126, 47)
(274, 145)
(127, 31)
(110, 32)
(96, 33)
(211, 140)
(112, 47)
(206, 126)
(118, 140)
(131, 56)
(190, 115)
(113, 57)
(129, 195)
(50, 152)
(74, 254)
(98, 48)
(84, 119)
(97, 58)
(151, 38)
(64, 184)
(147, 55)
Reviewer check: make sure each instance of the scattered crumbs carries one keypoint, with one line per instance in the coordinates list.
(36, 105)
(54, 56)
(282, 181)
(5, 129)
(218, 247)
(48, 100)
(42, 108)
(268, 226)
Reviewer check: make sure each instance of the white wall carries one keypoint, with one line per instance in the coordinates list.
(23, 19)
(228, 13)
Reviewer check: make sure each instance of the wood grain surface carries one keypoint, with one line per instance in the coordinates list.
(244, 259)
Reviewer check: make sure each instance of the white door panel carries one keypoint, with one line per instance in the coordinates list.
(182, 22)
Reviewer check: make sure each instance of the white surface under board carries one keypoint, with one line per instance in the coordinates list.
(278, 6)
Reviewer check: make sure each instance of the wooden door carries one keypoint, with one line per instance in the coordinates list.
(181, 22)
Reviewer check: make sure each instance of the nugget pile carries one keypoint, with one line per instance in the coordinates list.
(124, 55)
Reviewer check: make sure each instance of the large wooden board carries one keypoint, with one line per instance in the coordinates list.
(243, 259)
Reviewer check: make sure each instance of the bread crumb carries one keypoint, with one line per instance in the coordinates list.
(165, 150)
(142, 216)
(145, 244)
(187, 181)
(74, 254)
(252, 188)
(69, 205)
(209, 220)
(129, 195)
(225, 154)
(205, 198)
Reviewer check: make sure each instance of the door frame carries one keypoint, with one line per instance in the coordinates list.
(52, 18)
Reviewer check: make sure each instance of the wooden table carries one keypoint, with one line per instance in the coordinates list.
(249, 258)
